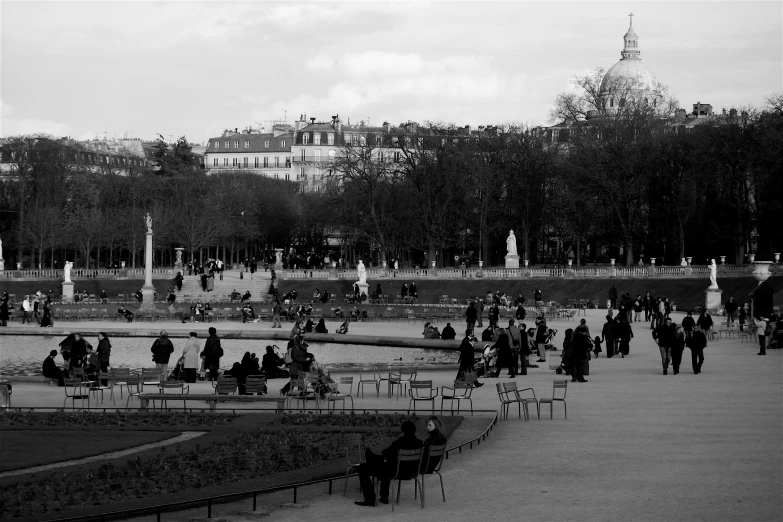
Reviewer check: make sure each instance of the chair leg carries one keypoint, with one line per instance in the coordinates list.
(565, 409)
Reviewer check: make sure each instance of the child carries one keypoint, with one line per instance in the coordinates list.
(597, 343)
(343, 328)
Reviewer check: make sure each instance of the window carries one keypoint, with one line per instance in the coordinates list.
(330, 139)
(282, 144)
(217, 144)
(225, 162)
(236, 144)
(244, 162)
(228, 144)
(247, 144)
(301, 174)
(255, 162)
(288, 177)
(277, 161)
(397, 157)
(288, 162)
(354, 139)
(266, 162)
(317, 155)
(316, 138)
(303, 155)
(266, 144)
(275, 176)
(305, 138)
(378, 141)
(215, 162)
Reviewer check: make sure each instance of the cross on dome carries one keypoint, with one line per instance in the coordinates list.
(630, 15)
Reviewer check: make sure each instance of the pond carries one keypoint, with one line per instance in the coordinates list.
(24, 354)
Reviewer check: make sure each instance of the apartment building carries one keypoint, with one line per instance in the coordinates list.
(267, 154)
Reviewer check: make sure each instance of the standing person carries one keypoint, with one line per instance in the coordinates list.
(161, 352)
(537, 297)
(580, 356)
(677, 349)
(567, 358)
(276, 311)
(731, 309)
(190, 357)
(384, 466)
(404, 291)
(300, 357)
(178, 281)
(212, 354)
(479, 312)
(27, 310)
(665, 335)
(761, 332)
(541, 335)
(493, 315)
(470, 317)
(413, 291)
(104, 352)
(203, 281)
(625, 334)
(4, 310)
(253, 267)
(648, 304)
(78, 351)
(467, 359)
(687, 325)
(704, 321)
(503, 347)
(515, 337)
(46, 318)
(637, 308)
(613, 297)
(697, 345)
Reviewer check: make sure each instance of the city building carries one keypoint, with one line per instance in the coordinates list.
(267, 154)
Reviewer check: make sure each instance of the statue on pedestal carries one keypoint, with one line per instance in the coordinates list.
(148, 222)
(67, 270)
(511, 244)
(713, 276)
(361, 272)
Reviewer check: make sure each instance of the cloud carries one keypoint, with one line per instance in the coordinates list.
(12, 126)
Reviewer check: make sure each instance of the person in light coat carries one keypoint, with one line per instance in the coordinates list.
(190, 357)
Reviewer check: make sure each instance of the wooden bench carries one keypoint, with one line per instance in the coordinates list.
(210, 398)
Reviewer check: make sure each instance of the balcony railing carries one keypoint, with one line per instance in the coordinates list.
(248, 167)
(312, 159)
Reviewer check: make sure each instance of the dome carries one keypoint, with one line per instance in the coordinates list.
(630, 70)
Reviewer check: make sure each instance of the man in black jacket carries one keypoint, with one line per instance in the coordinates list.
(666, 336)
(470, 316)
(384, 466)
(687, 324)
(697, 344)
(161, 350)
(731, 310)
(52, 371)
(609, 336)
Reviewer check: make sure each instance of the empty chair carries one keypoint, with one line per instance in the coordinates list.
(401, 379)
(354, 454)
(150, 377)
(104, 382)
(226, 385)
(511, 388)
(506, 400)
(367, 376)
(557, 397)
(421, 391)
(299, 392)
(346, 383)
(255, 384)
(459, 392)
(76, 389)
(175, 387)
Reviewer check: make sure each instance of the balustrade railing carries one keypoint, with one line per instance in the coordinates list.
(87, 273)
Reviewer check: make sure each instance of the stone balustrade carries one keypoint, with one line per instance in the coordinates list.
(633, 272)
(85, 273)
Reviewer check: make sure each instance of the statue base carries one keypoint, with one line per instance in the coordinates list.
(68, 292)
(2, 264)
(364, 288)
(712, 299)
(148, 298)
(178, 266)
(512, 261)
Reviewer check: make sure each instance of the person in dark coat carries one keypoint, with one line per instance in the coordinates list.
(704, 321)
(609, 336)
(541, 335)
(567, 358)
(52, 371)
(204, 282)
(488, 334)
(467, 359)
(648, 303)
(4, 307)
(688, 323)
(271, 364)
(448, 332)
(46, 318)
(470, 316)
(697, 344)
(161, 350)
(665, 335)
(404, 290)
(494, 314)
(625, 334)
(212, 353)
(677, 349)
(580, 357)
(178, 281)
(384, 466)
(505, 356)
(78, 351)
(613, 297)
(321, 326)
(104, 352)
(537, 296)
(412, 291)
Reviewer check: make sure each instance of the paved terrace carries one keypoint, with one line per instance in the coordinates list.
(637, 445)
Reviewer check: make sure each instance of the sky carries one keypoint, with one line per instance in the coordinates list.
(136, 69)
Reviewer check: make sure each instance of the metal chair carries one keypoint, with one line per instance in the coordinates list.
(225, 385)
(412, 458)
(401, 379)
(436, 451)
(78, 390)
(149, 377)
(511, 388)
(98, 386)
(333, 397)
(299, 392)
(420, 391)
(178, 386)
(459, 392)
(557, 385)
(354, 454)
(255, 384)
(506, 400)
(363, 380)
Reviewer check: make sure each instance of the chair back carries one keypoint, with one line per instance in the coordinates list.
(226, 385)
(559, 385)
(381, 372)
(354, 448)
(76, 388)
(501, 391)
(406, 469)
(436, 451)
(149, 375)
(346, 382)
(511, 388)
(255, 383)
(421, 389)
(297, 387)
(172, 385)
(462, 389)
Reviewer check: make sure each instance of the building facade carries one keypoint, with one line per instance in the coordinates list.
(267, 154)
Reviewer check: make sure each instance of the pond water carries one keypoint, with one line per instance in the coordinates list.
(24, 354)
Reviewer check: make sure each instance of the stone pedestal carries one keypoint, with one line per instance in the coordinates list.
(148, 291)
(612, 271)
(68, 292)
(2, 264)
(512, 261)
(712, 299)
(364, 288)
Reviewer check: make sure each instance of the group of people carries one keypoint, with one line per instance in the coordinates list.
(431, 332)
(78, 353)
(35, 309)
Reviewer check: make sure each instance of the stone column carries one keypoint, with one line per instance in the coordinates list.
(148, 291)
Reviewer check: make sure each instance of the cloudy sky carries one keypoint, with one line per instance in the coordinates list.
(194, 68)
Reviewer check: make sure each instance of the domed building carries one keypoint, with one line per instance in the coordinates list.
(629, 77)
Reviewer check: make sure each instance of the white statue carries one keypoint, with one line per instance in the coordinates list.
(279, 258)
(67, 270)
(148, 222)
(179, 257)
(713, 276)
(361, 272)
(511, 243)
(685, 263)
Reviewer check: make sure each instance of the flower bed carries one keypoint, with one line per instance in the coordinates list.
(67, 419)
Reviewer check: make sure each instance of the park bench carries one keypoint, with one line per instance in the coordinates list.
(210, 398)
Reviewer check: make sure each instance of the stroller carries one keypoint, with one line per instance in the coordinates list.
(487, 365)
(549, 344)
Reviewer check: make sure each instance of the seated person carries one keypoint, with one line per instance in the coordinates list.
(78, 297)
(127, 314)
(139, 296)
(271, 364)
(197, 312)
(248, 313)
(488, 334)
(104, 297)
(325, 297)
(355, 313)
(246, 296)
(338, 312)
(308, 326)
(52, 371)
(343, 328)
(378, 293)
(316, 296)
(321, 327)
(171, 298)
(448, 332)
(384, 466)
(235, 296)
(489, 358)
(520, 300)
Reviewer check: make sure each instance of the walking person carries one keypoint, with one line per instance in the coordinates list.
(677, 349)
(212, 354)
(648, 304)
(609, 336)
(479, 312)
(190, 357)
(276, 311)
(470, 317)
(697, 344)
(467, 358)
(580, 356)
(503, 347)
(515, 337)
(613, 297)
(688, 323)
(731, 309)
(161, 350)
(104, 352)
(637, 308)
(665, 335)
(541, 335)
(27, 310)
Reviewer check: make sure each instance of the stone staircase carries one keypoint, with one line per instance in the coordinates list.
(257, 287)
